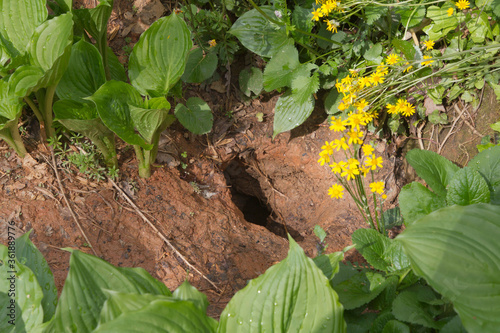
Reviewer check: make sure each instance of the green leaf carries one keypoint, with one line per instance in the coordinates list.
(405, 47)
(18, 21)
(10, 105)
(415, 201)
(329, 263)
(456, 250)
(453, 326)
(392, 218)
(24, 80)
(82, 296)
(332, 101)
(159, 58)
(467, 187)
(259, 35)
(288, 114)
(150, 122)
(85, 72)
(441, 22)
(292, 296)
(374, 12)
(95, 20)
(409, 306)
(438, 118)
(251, 81)
(196, 117)
(279, 71)
(113, 100)
(479, 29)
(435, 169)
(304, 84)
(124, 312)
(186, 292)
(24, 294)
(29, 255)
(301, 18)
(373, 53)
(116, 69)
(395, 326)
(359, 323)
(65, 5)
(319, 232)
(372, 245)
(360, 289)
(411, 16)
(199, 67)
(487, 163)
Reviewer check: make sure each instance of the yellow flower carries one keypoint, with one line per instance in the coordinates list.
(391, 109)
(364, 82)
(400, 105)
(338, 167)
(212, 43)
(327, 7)
(367, 149)
(337, 124)
(384, 196)
(373, 162)
(346, 80)
(450, 11)
(361, 105)
(377, 187)
(354, 121)
(350, 172)
(331, 25)
(327, 148)
(426, 63)
(392, 59)
(376, 78)
(352, 162)
(354, 137)
(429, 44)
(338, 144)
(407, 69)
(342, 107)
(336, 191)
(462, 4)
(364, 170)
(324, 158)
(317, 14)
(353, 72)
(382, 69)
(408, 110)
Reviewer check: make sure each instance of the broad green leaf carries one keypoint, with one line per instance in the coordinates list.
(384, 300)
(85, 72)
(405, 47)
(333, 101)
(149, 122)
(10, 105)
(467, 187)
(453, 326)
(186, 292)
(292, 296)
(336, 39)
(441, 22)
(258, 34)
(301, 18)
(75, 109)
(395, 326)
(456, 250)
(372, 245)
(279, 71)
(24, 294)
(373, 53)
(30, 256)
(415, 201)
(304, 84)
(251, 81)
(319, 232)
(329, 263)
(113, 100)
(479, 28)
(159, 58)
(24, 79)
(65, 5)
(116, 69)
(133, 313)
(392, 218)
(82, 297)
(411, 16)
(95, 20)
(382, 319)
(360, 289)
(409, 306)
(288, 114)
(199, 66)
(435, 169)
(487, 163)
(18, 21)
(196, 117)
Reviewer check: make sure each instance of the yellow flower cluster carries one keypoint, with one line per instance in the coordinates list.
(327, 7)
(402, 107)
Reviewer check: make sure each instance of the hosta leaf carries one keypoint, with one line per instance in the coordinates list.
(456, 250)
(360, 289)
(82, 297)
(415, 201)
(18, 21)
(467, 187)
(24, 80)
(199, 67)
(258, 34)
(132, 313)
(292, 296)
(196, 117)
(149, 122)
(10, 106)
(159, 58)
(333, 101)
(329, 263)
(95, 20)
(279, 71)
(29, 255)
(20, 285)
(288, 114)
(251, 81)
(113, 101)
(487, 163)
(85, 72)
(75, 109)
(304, 84)
(435, 169)
(186, 292)
(116, 69)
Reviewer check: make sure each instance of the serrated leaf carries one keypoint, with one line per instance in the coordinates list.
(487, 163)
(301, 18)
(360, 289)
(199, 67)
(379, 323)
(304, 84)
(113, 100)
(82, 297)
(288, 114)
(442, 23)
(436, 117)
(435, 169)
(372, 245)
(395, 326)
(456, 250)
(259, 35)
(453, 326)
(279, 71)
(159, 58)
(467, 187)
(415, 201)
(30, 256)
(292, 296)
(196, 117)
(85, 72)
(251, 81)
(186, 292)
(21, 295)
(374, 12)
(408, 307)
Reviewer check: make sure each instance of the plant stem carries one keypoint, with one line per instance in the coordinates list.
(143, 162)
(33, 107)
(11, 135)
(47, 111)
(106, 145)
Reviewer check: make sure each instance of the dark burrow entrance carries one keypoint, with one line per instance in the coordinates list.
(247, 195)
